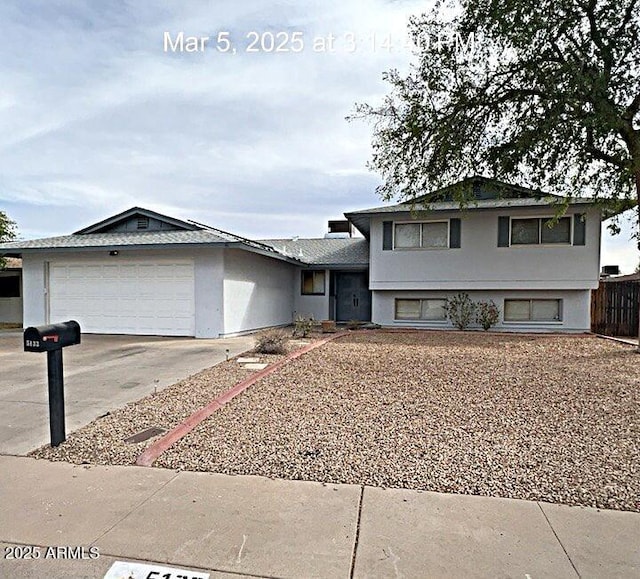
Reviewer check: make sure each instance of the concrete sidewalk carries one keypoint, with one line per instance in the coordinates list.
(238, 526)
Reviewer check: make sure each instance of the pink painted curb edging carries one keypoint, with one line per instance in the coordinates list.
(151, 454)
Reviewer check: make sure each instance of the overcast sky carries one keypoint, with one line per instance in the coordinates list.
(95, 117)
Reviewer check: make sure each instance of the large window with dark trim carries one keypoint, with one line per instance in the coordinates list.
(420, 309)
(536, 231)
(424, 235)
(9, 286)
(541, 310)
(313, 282)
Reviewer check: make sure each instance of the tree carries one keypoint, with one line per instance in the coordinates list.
(544, 93)
(7, 232)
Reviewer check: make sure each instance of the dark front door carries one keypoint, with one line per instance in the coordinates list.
(353, 298)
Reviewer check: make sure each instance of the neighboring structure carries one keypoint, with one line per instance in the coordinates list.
(628, 277)
(140, 272)
(11, 292)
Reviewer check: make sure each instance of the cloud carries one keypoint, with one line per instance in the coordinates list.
(96, 114)
(95, 117)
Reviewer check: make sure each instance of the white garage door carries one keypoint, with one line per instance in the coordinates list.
(127, 297)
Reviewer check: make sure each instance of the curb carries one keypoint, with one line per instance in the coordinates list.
(629, 342)
(151, 454)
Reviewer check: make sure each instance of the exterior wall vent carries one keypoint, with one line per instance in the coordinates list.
(143, 223)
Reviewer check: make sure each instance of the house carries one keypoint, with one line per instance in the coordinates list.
(140, 272)
(498, 248)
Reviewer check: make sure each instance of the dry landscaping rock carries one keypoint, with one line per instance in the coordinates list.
(550, 418)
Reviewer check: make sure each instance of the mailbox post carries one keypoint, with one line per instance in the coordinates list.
(51, 339)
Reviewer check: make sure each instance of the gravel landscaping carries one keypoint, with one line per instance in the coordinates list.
(551, 418)
(103, 441)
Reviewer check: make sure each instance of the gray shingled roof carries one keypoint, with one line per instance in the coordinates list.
(309, 251)
(361, 218)
(478, 204)
(349, 251)
(123, 239)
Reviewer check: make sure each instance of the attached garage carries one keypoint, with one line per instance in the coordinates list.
(125, 297)
(143, 273)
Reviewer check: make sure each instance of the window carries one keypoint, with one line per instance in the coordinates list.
(428, 235)
(435, 234)
(532, 310)
(407, 235)
(525, 231)
(535, 231)
(313, 283)
(10, 286)
(559, 233)
(427, 309)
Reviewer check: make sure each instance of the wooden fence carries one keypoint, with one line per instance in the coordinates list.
(614, 308)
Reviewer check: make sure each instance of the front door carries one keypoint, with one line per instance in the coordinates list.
(353, 298)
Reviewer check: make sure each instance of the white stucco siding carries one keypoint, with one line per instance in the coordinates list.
(480, 264)
(209, 293)
(208, 268)
(258, 291)
(33, 290)
(315, 306)
(576, 312)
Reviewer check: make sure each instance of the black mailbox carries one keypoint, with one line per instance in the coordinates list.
(52, 337)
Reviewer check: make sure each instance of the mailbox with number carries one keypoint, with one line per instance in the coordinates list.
(51, 339)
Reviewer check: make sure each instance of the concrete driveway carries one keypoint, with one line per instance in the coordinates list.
(101, 374)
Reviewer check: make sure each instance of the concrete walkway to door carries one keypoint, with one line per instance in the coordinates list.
(101, 374)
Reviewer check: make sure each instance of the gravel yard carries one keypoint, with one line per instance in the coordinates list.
(103, 441)
(551, 418)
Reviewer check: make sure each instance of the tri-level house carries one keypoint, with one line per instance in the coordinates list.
(140, 272)
(500, 247)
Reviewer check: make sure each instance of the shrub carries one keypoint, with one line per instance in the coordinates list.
(460, 309)
(487, 314)
(354, 324)
(302, 326)
(271, 343)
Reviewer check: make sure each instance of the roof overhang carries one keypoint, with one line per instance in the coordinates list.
(337, 266)
(614, 207)
(608, 207)
(20, 252)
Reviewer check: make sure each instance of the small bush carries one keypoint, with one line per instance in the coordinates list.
(487, 314)
(271, 343)
(302, 326)
(460, 309)
(354, 324)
